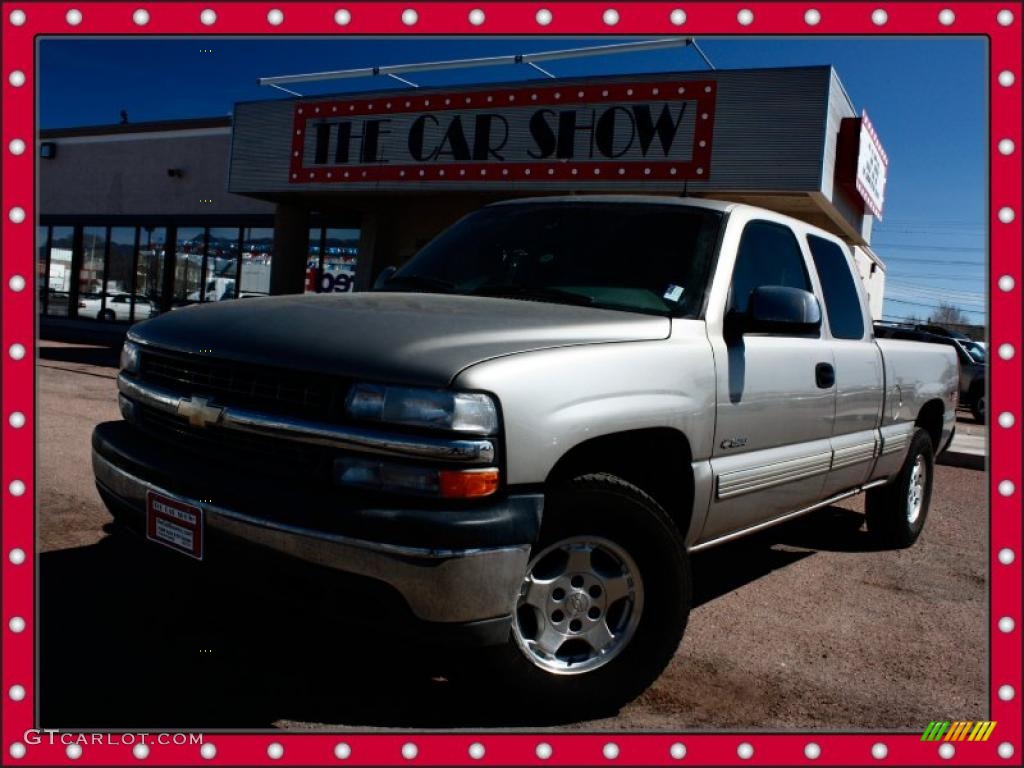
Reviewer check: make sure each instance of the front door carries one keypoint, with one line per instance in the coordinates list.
(775, 407)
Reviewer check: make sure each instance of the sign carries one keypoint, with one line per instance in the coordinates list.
(174, 524)
(594, 132)
(865, 161)
(329, 282)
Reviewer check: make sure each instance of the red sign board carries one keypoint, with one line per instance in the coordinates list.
(537, 134)
(862, 163)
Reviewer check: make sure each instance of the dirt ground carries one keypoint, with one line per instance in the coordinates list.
(805, 626)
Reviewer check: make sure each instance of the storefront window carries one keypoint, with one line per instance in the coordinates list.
(221, 264)
(341, 250)
(188, 265)
(257, 254)
(90, 276)
(149, 273)
(59, 276)
(119, 274)
(331, 264)
(313, 259)
(42, 280)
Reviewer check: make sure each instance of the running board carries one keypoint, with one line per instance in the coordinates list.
(787, 516)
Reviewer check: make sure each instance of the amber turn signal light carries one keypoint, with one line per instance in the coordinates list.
(468, 484)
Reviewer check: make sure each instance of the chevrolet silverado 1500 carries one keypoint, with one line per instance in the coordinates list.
(524, 432)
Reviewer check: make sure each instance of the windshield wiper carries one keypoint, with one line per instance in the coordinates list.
(542, 293)
(420, 281)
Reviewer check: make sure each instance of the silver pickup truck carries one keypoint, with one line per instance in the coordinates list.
(519, 437)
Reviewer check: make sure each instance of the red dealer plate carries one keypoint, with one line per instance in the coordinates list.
(174, 524)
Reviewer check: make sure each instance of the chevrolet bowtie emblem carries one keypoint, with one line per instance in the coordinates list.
(199, 412)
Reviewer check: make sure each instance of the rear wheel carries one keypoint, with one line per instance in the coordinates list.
(896, 511)
(604, 602)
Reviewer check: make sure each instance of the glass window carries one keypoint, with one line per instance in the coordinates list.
(768, 255)
(842, 302)
(59, 277)
(42, 280)
(149, 273)
(313, 260)
(975, 350)
(257, 254)
(341, 250)
(119, 273)
(90, 277)
(221, 264)
(188, 265)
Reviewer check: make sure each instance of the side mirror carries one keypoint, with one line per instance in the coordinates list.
(778, 309)
(384, 277)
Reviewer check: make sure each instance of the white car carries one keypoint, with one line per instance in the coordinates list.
(118, 307)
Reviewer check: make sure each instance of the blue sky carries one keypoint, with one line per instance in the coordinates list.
(926, 98)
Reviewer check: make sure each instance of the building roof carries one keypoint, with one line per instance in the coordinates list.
(146, 127)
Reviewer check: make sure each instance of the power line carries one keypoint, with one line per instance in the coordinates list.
(922, 247)
(937, 293)
(932, 306)
(897, 260)
(911, 287)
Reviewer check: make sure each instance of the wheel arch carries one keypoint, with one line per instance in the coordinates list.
(653, 459)
(930, 419)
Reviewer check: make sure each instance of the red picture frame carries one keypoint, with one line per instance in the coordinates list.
(999, 22)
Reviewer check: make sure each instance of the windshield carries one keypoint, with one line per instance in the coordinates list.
(648, 258)
(974, 349)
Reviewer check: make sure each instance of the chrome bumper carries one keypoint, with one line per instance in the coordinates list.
(457, 586)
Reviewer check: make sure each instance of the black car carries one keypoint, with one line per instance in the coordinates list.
(972, 357)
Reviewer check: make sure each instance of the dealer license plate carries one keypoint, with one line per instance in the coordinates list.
(174, 524)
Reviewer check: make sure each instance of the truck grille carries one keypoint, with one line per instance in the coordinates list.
(236, 450)
(268, 390)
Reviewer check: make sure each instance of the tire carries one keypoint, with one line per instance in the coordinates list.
(106, 316)
(896, 511)
(634, 551)
(979, 408)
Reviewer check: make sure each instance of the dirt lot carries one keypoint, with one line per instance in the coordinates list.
(803, 627)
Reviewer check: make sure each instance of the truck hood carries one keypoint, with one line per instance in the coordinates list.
(414, 338)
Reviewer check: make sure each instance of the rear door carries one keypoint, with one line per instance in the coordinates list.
(772, 447)
(859, 376)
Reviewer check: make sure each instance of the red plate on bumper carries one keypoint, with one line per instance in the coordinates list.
(174, 524)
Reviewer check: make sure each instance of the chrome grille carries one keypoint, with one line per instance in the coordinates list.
(268, 390)
(222, 447)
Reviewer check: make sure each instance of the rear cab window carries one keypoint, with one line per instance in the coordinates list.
(842, 302)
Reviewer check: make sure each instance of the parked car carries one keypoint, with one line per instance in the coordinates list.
(526, 430)
(118, 307)
(217, 289)
(971, 356)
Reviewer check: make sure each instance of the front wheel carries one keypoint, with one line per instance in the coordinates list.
(978, 408)
(897, 510)
(604, 602)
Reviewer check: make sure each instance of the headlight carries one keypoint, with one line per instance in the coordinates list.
(432, 408)
(130, 357)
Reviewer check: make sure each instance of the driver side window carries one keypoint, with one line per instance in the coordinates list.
(769, 254)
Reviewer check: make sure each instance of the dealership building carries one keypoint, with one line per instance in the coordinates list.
(322, 193)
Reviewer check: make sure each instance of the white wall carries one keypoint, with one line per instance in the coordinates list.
(874, 282)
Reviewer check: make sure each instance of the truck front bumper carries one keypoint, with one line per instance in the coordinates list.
(473, 584)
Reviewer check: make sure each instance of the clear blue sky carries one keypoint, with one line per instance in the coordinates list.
(926, 98)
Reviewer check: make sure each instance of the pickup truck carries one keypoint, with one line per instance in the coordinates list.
(522, 434)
